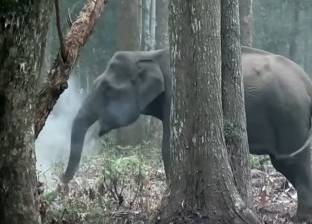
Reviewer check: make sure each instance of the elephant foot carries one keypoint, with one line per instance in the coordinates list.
(304, 215)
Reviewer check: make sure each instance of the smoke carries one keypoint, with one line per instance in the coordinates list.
(53, 142)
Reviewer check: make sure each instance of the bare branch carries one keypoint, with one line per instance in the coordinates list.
(59, 73)
(59, 30)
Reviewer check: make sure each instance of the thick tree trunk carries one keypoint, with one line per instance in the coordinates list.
(245, 17)
(202, 188)
(233, 99)
(128, 38)
(23, 28)
(128, 30)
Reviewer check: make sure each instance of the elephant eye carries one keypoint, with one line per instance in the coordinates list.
(113, 66)
(144, 62)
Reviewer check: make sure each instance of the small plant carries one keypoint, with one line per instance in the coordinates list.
(259, 162)
(50, 196)
(123, 174)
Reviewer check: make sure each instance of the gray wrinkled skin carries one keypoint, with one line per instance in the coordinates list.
(278, 97)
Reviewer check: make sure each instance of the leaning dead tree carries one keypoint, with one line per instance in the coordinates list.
(70, 47)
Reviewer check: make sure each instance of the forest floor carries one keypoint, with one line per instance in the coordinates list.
(127, 187)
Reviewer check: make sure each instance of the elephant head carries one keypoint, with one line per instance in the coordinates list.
(131, 81)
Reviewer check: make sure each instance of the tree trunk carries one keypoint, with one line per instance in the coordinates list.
(245, 17)
(128, 38)
(161, 24)
(152, 25)
(129, 19)
(23, 28)
(146, 43)
(295, 32)
(233, 99)
(202, 188)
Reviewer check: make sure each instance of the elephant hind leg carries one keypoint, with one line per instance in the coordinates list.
(299, 172)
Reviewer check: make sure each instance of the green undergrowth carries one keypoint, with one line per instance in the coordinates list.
(114, 185)
(259, 162)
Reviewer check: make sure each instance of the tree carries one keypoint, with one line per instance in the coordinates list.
(245, 17)
(293, 45)
(23, 112)
(161, 37)
(201, 183)
(148, 24)
(284, 27)
(23, 28)
(233, 98)
(129, 22)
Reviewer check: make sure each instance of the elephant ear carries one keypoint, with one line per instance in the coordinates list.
(149, 83)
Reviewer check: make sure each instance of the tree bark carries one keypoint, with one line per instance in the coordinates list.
(23, 29)
(161, 37)
(57, 78)
(146, 43)
(245, 17)
(201, 183)
(129, 19)
(233, 99)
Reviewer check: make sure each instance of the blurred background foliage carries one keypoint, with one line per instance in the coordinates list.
(284, 27)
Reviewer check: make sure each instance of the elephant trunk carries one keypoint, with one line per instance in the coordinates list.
(81, 124)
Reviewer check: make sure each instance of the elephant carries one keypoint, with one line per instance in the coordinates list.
(278, 103)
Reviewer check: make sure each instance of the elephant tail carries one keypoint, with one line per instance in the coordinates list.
(304, 147)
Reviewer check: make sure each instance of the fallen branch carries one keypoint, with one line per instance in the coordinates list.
(58, 75)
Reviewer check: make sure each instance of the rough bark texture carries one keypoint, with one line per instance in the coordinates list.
(128, 38)
(57, 78)
(23, 28)
(202, 188)
(129, 22)
(146, 39)
(233, 99)
(162, 39)
(245, 17)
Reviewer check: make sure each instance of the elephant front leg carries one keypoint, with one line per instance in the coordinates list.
(299, 172)
(304, 192)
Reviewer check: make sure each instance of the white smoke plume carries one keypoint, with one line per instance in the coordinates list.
(53, 142)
